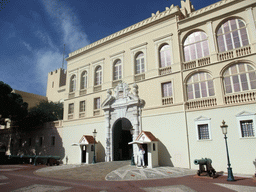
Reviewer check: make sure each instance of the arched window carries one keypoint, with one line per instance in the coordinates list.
(200, 85)
(117, 69)
(239, 77)
(165, 55)
(140, 63)
(98, 76)
(196, 46)
(83, 80)
(231, 35)
(72, 83)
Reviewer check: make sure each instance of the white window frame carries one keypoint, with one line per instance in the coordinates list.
(96, 64)
(83, 106)
(246, 116)
(71, 73)
(231, 34)
(202, 121)
(113, 59)
(162, 90)
(69, 108)
(194, 44)
(95, 105)
(135, 50)
(159, 42)
(200, 88)
(238, 74)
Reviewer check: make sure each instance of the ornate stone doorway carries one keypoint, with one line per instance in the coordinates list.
(122, 112)
(121, 138)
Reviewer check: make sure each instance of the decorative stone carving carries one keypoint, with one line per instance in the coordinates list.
(124, 103)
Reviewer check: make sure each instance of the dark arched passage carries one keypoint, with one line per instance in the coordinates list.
(121, 138)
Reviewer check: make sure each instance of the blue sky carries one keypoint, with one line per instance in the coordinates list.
(32, 32)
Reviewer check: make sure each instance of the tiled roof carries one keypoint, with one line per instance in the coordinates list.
(149, 135)
(89, 139)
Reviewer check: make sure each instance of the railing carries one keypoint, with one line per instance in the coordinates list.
(97, 88)
(83, 92)
(234, 53)
(197, 63)
(71, 95)
(81, 115)
(202, 103)
(139, 77)
(240, 98)
(165, 70)
(71, 116)
(203, 61)
(116, 82)
(167, 100)
(96, 112)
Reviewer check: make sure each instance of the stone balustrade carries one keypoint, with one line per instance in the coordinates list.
(240, 97)
(242, 51)
(165, 70)
(96, 112)
(97, 88)
(70, 116)
(167, 100)
(71, 95)
(81, 115)
(83, 92)
(197, 63)
(139, 77)
(201, 103)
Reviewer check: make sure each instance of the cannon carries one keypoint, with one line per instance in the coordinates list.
(205, 167)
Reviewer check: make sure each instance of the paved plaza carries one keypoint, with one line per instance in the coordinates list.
(113, 176)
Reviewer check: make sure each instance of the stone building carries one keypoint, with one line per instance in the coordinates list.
(177, 74)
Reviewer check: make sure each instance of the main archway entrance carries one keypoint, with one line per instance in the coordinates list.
(121, 138)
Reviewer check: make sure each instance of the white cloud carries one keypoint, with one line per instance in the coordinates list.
(46, 39)
(67, 23)
(27, 45)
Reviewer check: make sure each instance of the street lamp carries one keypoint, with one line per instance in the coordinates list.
(132, 132)
(224, 129)
(94, 136)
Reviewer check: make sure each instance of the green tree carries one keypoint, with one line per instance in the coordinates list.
(11, 104)
(44, 112)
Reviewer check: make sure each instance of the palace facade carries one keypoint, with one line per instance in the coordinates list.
(176, 75)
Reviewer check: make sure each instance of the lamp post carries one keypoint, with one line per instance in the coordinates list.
(224, 129)
(94, 136)
(132, 132)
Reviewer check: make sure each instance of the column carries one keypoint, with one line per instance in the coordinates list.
(212, 47)
(251, 29)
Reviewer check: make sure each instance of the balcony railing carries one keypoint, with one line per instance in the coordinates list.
(139, 77)
(97, 88)
(197, 63)
(82, 115)
(96, 112)
(83, 92)
(167, 100)
(240, 98)
(202, 103)
(71, 95)
(165, 70)
(234, 53)
(57, 123)
(70, 116)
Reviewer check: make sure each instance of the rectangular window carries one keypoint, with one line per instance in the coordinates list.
(247, 128)
(167, 89)
(82, 106)
(71, 108)
(203, 131)
(53, 141)
(97, 103)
